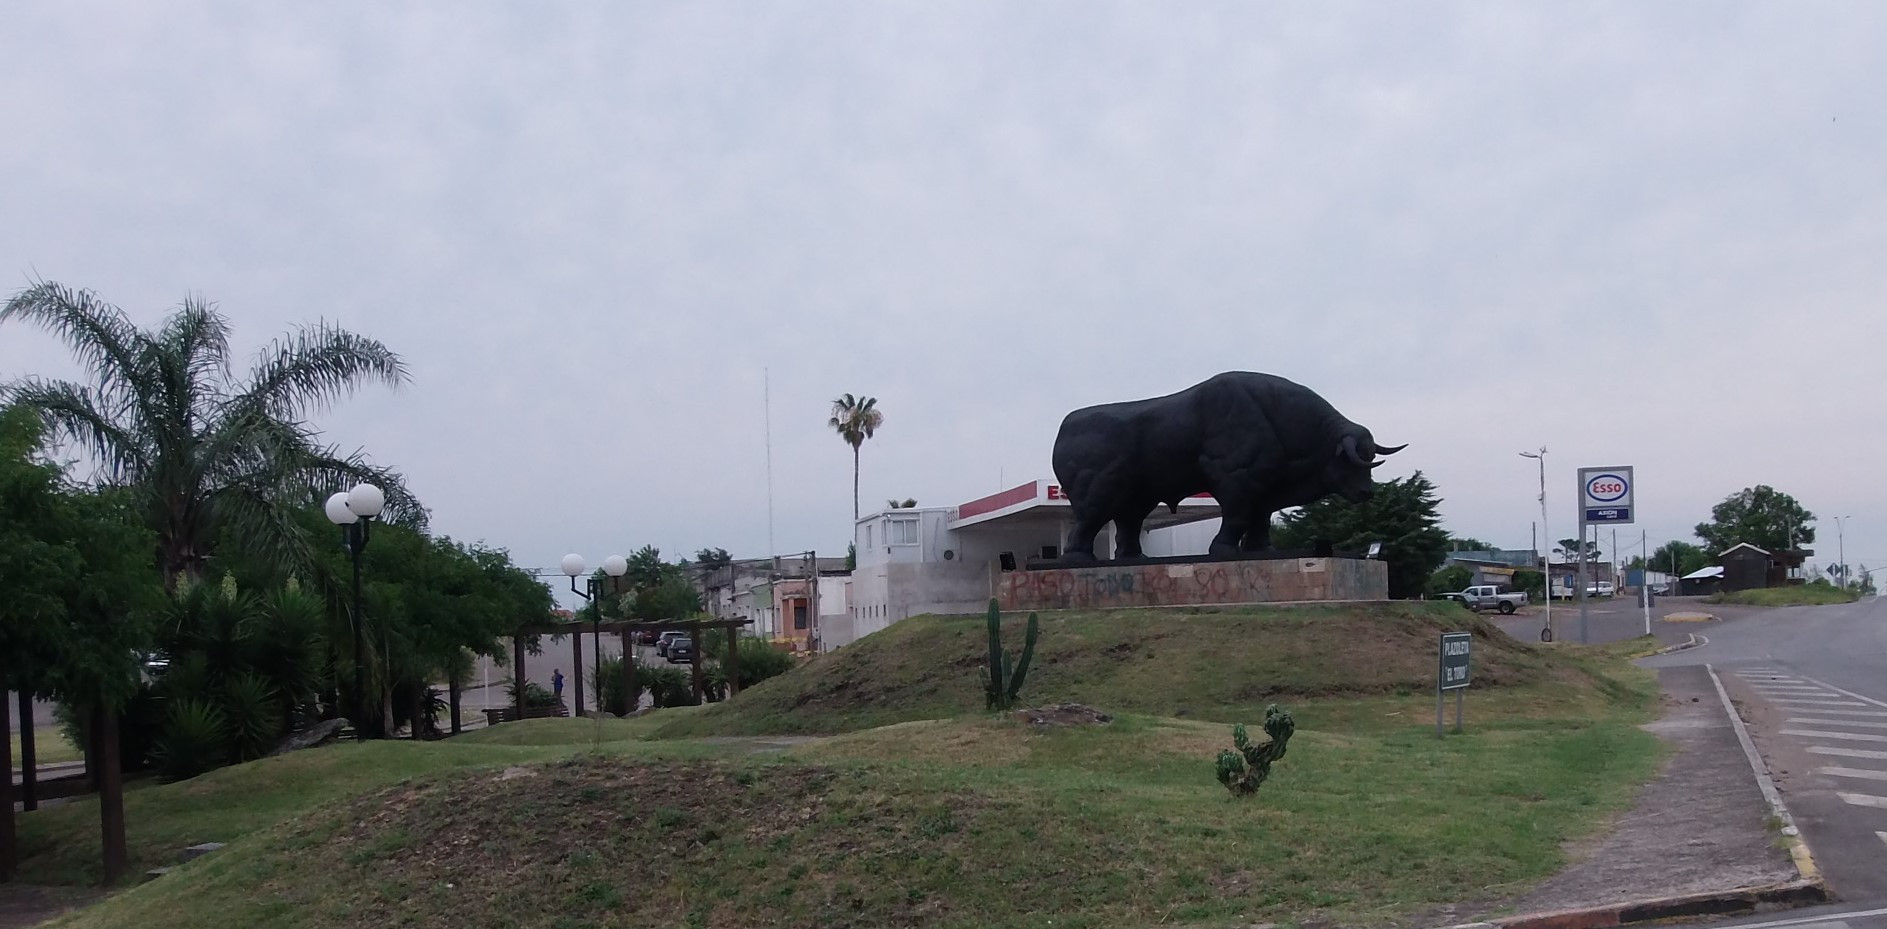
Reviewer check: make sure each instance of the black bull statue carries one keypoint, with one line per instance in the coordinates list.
(1255, 442)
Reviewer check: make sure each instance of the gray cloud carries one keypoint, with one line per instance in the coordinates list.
(1636, 234)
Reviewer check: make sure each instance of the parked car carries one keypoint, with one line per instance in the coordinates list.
(1488, 597)
(1600, 589)
(681, 650)
(667, 640)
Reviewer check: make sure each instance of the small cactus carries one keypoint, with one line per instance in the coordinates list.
(1004, 681)
(1245, 770)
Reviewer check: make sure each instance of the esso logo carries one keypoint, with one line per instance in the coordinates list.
(1606, 488)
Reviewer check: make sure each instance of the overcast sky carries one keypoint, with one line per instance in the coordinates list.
(1647, 234)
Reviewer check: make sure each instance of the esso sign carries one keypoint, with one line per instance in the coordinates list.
(1605, 495)
(1607, 488)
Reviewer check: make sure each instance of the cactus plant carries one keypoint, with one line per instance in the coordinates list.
(1244, 770)
(1005, 681)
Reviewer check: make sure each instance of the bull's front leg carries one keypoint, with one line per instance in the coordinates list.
(1258, 531)
(1080, 545)
(1232, 529)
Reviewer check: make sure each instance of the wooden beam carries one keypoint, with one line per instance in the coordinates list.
(517, 670)
(452, 698)
(732, 664)
(695, 661)
(576, 677)
(629, 673)
(110, 795)
(29, 755)
(9, 840)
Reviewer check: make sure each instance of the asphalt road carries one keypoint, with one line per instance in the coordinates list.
(1811, 682)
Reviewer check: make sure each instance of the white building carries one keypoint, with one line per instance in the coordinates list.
(948, 559)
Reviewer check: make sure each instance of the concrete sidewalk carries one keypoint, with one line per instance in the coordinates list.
(1699, 838)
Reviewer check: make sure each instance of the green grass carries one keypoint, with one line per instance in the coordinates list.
(1212, 663)
(1801, 595)
(59, 845)
(49, 747)
(948, 818)
(975, 821)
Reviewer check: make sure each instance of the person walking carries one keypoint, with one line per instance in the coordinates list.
(556, 683)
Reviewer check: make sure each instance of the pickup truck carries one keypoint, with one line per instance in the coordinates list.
(1600, 589)
(1487, 596)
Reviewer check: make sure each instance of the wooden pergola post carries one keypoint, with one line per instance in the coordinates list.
(733, 662)
(694, 661)
(9, 843)
(517, 669)
(576, 676)
(29, 774)
(629, 700)
(110, 793)
(452, 699)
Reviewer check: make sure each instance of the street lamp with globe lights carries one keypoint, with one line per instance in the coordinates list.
(615, 566)
(354, 510)
(1546, 561)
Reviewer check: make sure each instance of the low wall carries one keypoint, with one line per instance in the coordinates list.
(1203, 583)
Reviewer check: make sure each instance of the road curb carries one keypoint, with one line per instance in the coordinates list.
(1708, 903)
(1807, 889)
(1694, 641)
(1798, 848)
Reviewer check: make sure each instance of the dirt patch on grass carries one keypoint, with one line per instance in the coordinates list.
(1064, 714)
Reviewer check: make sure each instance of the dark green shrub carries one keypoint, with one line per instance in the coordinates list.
(1449, 579)
(759, 660)
(535, 694)
(667, 686)
(194, 739)
(253, 715)
(1245, 770)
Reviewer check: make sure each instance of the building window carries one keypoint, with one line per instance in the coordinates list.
(868, 542)
(799, 614)
(901, 532)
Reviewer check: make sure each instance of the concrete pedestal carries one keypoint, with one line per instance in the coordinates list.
(1103, 586)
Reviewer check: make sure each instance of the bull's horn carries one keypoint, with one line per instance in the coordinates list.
(1377, 464)
(1348, 449)
(1392, 449)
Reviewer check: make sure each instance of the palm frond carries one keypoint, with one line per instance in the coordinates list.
(316, 366)
(105, 340)
(260, 519)
(71, 413)
(326, 470)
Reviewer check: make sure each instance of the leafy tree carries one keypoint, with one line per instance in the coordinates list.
(904, 504)
(1533, 582)
(1680, 558)
(855, 419)
(1568, 550)
(203, 454)
(712, 559)
(1469, 544)
(1762, 516)
(1401, 515)
(1450, 579)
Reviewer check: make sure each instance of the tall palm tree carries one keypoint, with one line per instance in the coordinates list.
(209, 456)
(855, 419)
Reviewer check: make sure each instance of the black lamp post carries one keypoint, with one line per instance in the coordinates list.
(615, 566)
(354, 511)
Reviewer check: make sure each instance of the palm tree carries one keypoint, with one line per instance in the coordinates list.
(210, 457)
(855, 419)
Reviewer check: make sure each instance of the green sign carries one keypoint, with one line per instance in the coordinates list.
(1455, 648)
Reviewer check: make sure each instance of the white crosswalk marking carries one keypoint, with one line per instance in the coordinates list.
(1847, 712)
(1883, 836)
(1845, 752)
(1822, 702)
(1879, 803)
(1865, 774)
(1857, 723)
(1842, 736)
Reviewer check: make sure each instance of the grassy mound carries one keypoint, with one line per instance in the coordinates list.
(1210, 663)
(976, 821)
(1802, 595)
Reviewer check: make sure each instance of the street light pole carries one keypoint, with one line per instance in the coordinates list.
(1546, 561)
(614, 566)
(354, 510)
(1841, 543)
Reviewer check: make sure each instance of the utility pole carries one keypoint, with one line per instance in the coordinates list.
(1546, 559)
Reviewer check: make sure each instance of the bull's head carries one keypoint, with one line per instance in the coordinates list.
(1355, 458)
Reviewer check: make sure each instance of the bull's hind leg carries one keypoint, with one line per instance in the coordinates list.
(1127, 535)
(1258, 533)
(1080, 546)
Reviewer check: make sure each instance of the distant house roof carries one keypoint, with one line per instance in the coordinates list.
(1715, 570)
(1760, 551)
